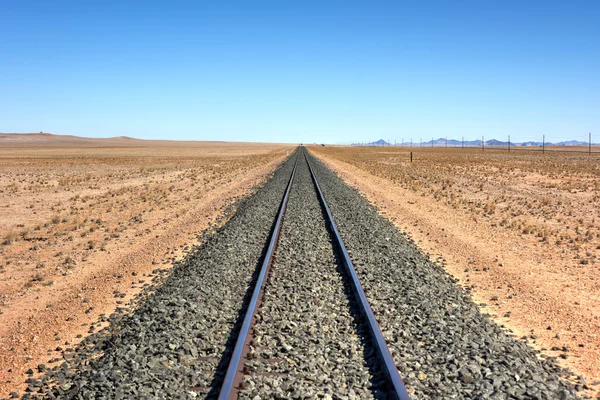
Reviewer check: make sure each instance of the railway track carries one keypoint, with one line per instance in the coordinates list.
(265, 309)
(308, 291)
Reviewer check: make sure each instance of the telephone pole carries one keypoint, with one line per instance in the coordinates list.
(543, 143)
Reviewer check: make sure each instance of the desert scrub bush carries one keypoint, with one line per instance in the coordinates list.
(78, 223)
(527, 229)
(546, 201)
(10, 238)
(489, 208)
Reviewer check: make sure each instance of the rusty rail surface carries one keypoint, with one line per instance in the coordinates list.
(235, 369)
(395, 385)
(233, 382)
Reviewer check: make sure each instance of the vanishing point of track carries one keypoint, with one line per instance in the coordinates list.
(233, 383)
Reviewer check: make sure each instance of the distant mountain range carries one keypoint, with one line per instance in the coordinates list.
(477, 143)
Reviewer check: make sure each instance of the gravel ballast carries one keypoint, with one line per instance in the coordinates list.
(170, 346)
(444, 347)
(307, 343)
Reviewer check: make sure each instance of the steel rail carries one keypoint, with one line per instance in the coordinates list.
(234, 372)
(396, 386)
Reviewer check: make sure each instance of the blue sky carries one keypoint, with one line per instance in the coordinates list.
(310, 71)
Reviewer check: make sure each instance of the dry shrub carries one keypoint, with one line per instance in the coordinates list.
(10, 238)
(489, 208)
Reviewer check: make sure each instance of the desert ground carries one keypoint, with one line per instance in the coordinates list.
(520, 230)
(84, 222)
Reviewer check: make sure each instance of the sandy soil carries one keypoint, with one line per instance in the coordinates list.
(82, 229)
(521, 232)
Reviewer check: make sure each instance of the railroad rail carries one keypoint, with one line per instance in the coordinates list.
(235, 370)
(233, 381)
(387, 363)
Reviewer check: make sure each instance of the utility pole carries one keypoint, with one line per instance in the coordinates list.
(446, 141)
(463, 143)
(543, 143)
(509, 143)
(482, 144)
(590, 144)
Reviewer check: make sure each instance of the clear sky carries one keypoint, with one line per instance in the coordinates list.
(305, 71)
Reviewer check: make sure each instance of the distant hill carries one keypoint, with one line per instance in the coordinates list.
(43, 139)
(49, 139)
(441, 142)
(380, 142)
(572, 143)
(495, 142)
(529, 144)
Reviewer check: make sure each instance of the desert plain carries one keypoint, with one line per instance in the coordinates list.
(519, 230)
(85, 222)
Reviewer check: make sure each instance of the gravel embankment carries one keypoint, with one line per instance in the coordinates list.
(176, 342)
(172, 343)
(445, 348)
(307, 343)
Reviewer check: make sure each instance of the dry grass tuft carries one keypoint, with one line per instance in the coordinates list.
(10, 238)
